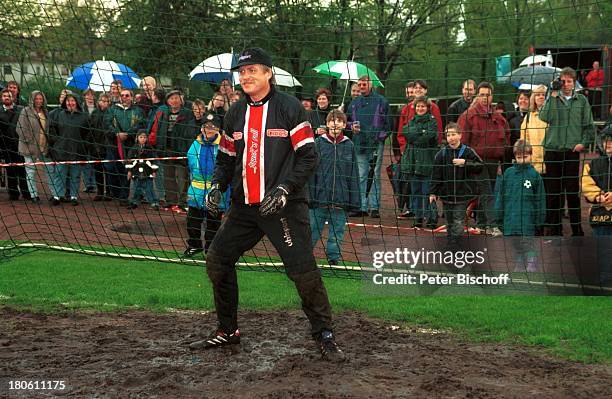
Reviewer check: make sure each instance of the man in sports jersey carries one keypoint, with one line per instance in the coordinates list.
(266, 154)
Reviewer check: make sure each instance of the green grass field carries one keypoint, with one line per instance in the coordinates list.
(578, 328)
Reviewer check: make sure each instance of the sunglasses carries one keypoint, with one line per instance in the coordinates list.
(126, 95)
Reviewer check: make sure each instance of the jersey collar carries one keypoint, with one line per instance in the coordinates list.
(262, 101)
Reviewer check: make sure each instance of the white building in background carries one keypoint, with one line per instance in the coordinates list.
(31, 68)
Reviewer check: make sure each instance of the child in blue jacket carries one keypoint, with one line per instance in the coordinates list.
(334, 187)
(201, 158)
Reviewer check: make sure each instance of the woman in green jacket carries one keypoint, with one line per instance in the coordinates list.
(421, 135)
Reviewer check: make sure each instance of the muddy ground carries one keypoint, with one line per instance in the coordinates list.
(139, 354)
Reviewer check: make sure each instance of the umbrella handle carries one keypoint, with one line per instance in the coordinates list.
(344, 95)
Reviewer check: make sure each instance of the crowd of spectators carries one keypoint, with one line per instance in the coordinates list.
(553, 126)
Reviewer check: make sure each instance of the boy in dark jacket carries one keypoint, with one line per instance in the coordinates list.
(453, 180)
(521, 205)
(142, 172)
(334, 188)
(597, 189)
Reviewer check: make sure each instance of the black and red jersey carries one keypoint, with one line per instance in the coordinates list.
(265, 143)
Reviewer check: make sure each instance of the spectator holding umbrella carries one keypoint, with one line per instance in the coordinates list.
(115, 91)
(318, 116)
(570, 130)
(369, 114)
(226, 89)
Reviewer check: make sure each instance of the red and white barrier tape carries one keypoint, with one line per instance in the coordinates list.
(6, 165)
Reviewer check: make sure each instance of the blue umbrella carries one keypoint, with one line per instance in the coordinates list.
(98, 76)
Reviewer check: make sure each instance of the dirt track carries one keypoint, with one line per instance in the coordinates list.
(144, 355)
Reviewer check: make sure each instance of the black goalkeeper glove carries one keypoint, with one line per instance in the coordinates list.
(213, 200)
(274, 201)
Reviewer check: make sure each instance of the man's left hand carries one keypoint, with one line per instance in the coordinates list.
(578, 148)
(274, 201)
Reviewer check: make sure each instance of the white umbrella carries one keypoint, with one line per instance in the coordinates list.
(534, 60)
(284, 78)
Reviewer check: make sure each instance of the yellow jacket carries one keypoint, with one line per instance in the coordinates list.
(533, 130)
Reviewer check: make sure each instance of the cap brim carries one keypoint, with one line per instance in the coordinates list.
(241, 64)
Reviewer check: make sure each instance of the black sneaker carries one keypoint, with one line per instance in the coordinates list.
(375, 214)
(55, 201)
(332, 262)
(191, 251)
(217, 339)
(132, 206)
(328, 347)
(74, 201)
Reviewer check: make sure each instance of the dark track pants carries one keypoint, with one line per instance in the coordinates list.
(195, 218)
(289, 232)
(562, 179)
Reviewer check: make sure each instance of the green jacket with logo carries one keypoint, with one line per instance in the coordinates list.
(521, 200)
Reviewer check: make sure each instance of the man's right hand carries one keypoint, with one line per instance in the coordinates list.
(122, 136)
(213, 200)
(432, 198)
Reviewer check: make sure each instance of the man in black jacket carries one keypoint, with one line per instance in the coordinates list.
(468, 89)
(16, 175)
(267, 154)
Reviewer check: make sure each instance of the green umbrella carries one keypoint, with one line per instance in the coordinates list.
(347, 70)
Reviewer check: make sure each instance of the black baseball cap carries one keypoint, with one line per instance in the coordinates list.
(211, 118)
(253, 56)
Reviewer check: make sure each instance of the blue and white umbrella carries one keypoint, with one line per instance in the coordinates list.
(214, 69)
(98, 76)
(218, 67)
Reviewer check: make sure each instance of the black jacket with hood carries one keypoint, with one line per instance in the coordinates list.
(68, 132)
